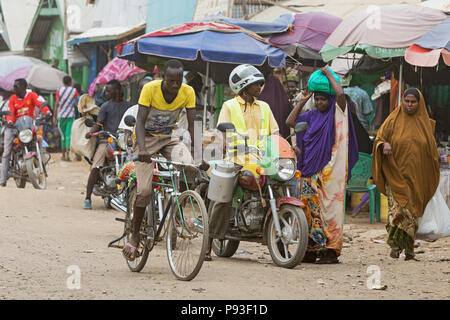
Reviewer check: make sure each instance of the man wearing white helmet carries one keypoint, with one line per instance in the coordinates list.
(250, 117)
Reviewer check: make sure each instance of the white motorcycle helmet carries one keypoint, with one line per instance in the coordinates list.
(244, 75)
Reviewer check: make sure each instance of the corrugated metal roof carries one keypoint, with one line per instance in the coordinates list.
(104, 34)
(40, 31)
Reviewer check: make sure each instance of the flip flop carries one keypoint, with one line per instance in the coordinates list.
(133, 250)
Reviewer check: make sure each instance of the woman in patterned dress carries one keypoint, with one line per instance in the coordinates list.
(327, 152)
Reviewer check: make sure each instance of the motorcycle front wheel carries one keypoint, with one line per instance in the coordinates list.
(37, 177)
(288, 249)
(20, 182)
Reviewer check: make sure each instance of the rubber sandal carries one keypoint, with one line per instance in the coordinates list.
(87, 204)
(208, 258)
(395, 254)
(133, 250)
(410, 257)
(310, 257)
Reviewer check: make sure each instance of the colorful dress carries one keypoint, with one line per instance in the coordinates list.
(324, 192)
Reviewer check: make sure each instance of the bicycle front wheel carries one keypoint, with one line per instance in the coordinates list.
(187, 235)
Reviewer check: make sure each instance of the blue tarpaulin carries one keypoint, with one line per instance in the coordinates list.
(222, 49)
(438, 37)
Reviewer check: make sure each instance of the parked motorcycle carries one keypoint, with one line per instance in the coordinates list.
(264, 209)
(106, 186)
(26, 162)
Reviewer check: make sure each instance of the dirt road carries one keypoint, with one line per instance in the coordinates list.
(46, 235)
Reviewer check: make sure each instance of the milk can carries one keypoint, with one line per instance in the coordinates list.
(221, 184)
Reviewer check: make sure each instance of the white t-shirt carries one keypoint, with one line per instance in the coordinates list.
(131, 111)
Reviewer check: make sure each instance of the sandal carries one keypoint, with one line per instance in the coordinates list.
(410, 257)
(208, 257)
(310, 257)
(133, 250)
(330, 257)
(395, 253)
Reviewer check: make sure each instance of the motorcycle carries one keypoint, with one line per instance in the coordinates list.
(107, 186)
(260, 189)
(26, 162)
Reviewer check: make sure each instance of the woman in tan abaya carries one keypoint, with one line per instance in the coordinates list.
(406, 169)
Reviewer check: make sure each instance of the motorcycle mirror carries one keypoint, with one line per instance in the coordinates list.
(301, 126)
(130, 120)
(226, 126)
(89, 122)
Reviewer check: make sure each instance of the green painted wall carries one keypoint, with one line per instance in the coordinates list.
(53, 51)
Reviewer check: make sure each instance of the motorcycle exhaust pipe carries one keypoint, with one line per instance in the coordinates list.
(116, 204)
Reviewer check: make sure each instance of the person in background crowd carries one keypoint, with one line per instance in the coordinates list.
(21, 103)
(292, 89)
(100, 95)
(64, 115)
(44, 127)
(77, 86)
(108, 119)
(405, 167)
(363, 103)
(133, 112)
(274, 95)
(327, 153)
(4, 106)
(195, 80)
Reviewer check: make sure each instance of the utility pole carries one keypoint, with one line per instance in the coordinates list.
(66, 39)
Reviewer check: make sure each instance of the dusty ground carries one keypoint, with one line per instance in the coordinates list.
(45, 232)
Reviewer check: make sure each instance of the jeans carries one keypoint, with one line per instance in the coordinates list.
(10, 134)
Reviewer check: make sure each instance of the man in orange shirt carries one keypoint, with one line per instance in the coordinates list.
(22, 103)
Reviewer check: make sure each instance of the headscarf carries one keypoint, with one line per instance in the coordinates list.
(412, 170)
(316, 143)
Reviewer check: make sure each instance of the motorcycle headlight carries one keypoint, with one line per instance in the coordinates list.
(285, 169)
(121, 141)
(26, 136)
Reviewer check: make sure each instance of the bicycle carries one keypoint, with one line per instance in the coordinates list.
(182, 216)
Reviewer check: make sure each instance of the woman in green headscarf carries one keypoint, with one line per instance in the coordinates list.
(406, 169)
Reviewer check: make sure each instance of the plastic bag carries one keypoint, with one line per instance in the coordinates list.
(78, 142)
(436, 218)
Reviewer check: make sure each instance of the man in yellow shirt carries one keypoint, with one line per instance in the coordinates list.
(249, 116)
(160, 104)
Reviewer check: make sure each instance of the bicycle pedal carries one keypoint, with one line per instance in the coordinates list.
(116, 246)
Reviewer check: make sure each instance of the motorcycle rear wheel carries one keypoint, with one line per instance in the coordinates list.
(37, 177)
(107, 202)
(294, 229)
(20, 182)
(225, 248)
